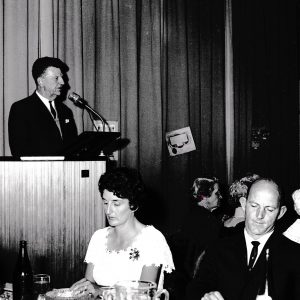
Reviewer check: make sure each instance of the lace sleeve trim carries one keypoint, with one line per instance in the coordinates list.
(160, 253)
(166, 268)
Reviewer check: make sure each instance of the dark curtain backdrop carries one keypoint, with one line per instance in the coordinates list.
(193, 95)
(265, 52)
(153, 66)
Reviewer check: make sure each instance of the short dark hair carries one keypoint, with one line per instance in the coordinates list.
(42, 63)
(203, 187)
(124, 183)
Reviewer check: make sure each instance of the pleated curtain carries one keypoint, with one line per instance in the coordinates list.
(153, 66)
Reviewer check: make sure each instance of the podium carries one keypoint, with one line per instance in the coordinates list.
(56, 207)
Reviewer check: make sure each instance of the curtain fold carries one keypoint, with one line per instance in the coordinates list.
(46, 28)
(149, 97)
(229, 95)
(2, 105)
(176, 177)
(19, 45)
(128, 80)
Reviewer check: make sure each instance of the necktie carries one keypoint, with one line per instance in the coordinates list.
(53, 112)
(253, 254)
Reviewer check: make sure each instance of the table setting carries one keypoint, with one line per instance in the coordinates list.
(123, 290)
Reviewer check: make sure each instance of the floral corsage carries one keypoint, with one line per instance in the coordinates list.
(134, 254)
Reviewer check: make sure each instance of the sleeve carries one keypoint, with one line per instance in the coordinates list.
(157, 251)
(17, 131)
(205, 279)
(94, 248)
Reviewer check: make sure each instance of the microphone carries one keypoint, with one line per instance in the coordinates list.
(79, 101)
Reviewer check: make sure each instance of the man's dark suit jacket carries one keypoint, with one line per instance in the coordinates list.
(33, 131)
(224, 269)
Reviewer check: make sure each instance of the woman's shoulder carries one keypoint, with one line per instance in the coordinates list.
(149, 232)
(155, 248)
(101, 233)
(150, 229)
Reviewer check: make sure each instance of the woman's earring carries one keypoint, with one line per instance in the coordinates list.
(133, 210)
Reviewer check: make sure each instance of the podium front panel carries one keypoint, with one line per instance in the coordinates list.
(55, 206)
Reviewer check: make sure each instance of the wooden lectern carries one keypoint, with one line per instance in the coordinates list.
(56, 207)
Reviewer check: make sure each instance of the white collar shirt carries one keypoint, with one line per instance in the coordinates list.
(262, 241)
(46, 102)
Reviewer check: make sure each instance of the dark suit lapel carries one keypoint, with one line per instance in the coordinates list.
(64, 119)
(248, 290)
(242, 251)
(43, 114)
(271, 244)
(41, 108)
(257, 277)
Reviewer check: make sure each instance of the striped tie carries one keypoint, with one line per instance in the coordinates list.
(53, 112)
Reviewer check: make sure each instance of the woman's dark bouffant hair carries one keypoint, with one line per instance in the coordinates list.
(124, 183)
(203, 187)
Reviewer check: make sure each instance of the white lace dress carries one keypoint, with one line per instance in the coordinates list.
(148, 248)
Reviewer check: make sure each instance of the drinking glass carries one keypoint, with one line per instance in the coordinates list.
(106, 293)
(138, 290)
(41, 285)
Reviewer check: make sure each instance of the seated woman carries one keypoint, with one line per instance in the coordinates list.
(126, 249)
(201, 226)
(238, 193)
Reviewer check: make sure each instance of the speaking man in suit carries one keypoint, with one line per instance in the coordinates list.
(41, 124)
(236, 267)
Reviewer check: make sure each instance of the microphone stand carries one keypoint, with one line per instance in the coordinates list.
(80, 102)
(103, 121)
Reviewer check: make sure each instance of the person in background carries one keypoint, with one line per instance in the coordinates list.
(41, 124)
(126, 249)
(200, 228)
(293, 232)
(238, 193)
(236, 267)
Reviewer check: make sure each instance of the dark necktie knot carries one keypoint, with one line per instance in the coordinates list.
(253, 254)
(255, 243)
(53, 112)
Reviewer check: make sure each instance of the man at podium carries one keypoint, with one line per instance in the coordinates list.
(41, 125)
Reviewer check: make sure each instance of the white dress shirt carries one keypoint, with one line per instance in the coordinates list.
(47, 104)
(262, 241)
